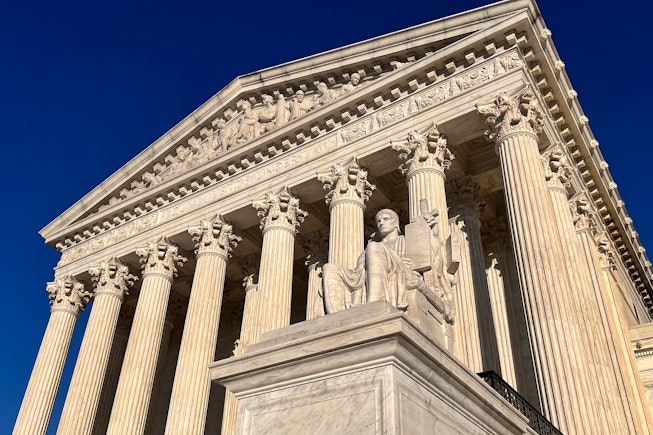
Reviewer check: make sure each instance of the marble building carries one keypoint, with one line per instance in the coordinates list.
(241, 237)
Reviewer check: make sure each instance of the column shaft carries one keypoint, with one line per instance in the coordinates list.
(85, 388)
(34, 414)
(590, 391)
(86, 384)
(541, 276)
(275, 281)
(346, 238)
(475, 343)
(428, 183)
(67, 299)
(132, 401)
(110, 382)
(247, 330)
(497, 290)
(191, 388)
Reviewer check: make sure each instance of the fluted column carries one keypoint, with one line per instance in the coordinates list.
(625, 358)
(499, 286)
(614, 399)
(67, 299)
(475, 343)
(129, 413)
(316, 245)
(249, 266)
(112, 282)
(427, 158)
(163, 379)
(348, 189)
(515, 124)
(557, 174)
(112, 375)
(280, 217)
(622, 398)
(190, 391)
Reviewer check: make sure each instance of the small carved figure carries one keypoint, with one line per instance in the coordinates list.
(268, 113)
(226, 136)
(299, 106)
(349, 87)
(324, 95)
(249, 127)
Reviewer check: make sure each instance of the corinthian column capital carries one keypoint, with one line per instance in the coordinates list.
(280, 209)
(582, 213)
(464, 199)
(112, 277)
(424, 150)
(507, 115)
(557, 170)
(316, 247)
(161, 257)
(67, 294)
(347, 182)
(215, 236)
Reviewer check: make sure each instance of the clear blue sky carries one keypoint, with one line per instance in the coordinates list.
(85, 86)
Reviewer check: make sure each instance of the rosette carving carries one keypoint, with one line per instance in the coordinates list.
(508, 115)
(112, 277)
(161, 257)
(67, 294)
(424, 150)
(280, 209)
(214, 235)
(347, 181)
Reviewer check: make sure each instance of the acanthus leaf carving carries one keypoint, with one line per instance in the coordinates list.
(280, 209)
(214, 235)
(112, 277)
(160, 257)
(68, 294)
(557, 170)
(426, 149)
(508, 114)
(347, 181)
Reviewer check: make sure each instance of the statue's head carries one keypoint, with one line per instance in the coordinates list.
(386, 221)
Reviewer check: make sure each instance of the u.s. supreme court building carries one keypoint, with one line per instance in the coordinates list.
(413, 234)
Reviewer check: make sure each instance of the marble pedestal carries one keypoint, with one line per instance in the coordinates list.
(366, 370)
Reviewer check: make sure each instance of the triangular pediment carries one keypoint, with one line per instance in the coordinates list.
(261, 115)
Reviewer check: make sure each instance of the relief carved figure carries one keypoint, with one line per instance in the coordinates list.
(384, 271)
(324, 95)
(248, 126)
(348, 88)
(299, 105)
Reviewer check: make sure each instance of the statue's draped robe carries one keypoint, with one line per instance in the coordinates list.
(381, 264)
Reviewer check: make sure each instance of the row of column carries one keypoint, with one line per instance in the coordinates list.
(539, 222)
(585, 383)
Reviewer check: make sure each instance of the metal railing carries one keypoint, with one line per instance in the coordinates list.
(536, 420)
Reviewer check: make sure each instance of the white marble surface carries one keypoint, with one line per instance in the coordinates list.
(363, 370)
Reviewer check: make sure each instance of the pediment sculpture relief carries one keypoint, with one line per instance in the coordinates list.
(395, 267)
(249, 122)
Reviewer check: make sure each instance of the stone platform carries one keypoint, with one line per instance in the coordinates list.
(366, 370)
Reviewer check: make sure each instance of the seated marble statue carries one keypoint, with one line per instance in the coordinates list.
(383, 271)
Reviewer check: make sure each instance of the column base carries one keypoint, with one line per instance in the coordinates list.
(368, 369)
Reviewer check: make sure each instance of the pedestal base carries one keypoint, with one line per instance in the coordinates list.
(366, 370)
